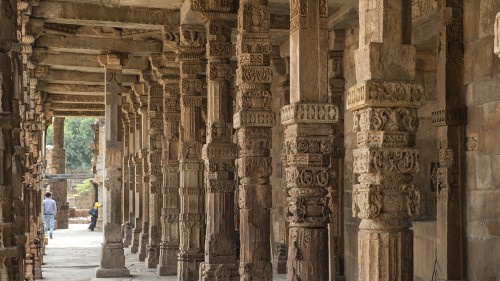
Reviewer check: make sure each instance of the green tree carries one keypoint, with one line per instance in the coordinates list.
(78, 135)
(84, 187)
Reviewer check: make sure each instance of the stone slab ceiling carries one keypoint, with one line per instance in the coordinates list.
(71, 33)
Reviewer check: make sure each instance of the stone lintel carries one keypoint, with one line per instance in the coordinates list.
(80, 77)
(88, 62)
(74, 98)
(78, 106)
(72, 89)
(96, 46)
(319, 113)
(105, 15)
(74, 113)
(378, 93)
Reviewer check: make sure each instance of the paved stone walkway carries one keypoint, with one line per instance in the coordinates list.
(74, 254)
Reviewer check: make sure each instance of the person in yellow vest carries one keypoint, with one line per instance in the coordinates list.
(94, 214)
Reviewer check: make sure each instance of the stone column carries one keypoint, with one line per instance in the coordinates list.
(219, 153)
(308, 123)
(126, 163)
(112, 255)
(59, 187)
(336, 89)
(384, 104)
(155, 133)
(254, 119)
(192, 208)
(450, 120)
(58, 151)
(138, 175)
(9, 253)
(143, 155)
(169, 246)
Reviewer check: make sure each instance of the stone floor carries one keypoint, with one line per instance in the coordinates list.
(73, 255)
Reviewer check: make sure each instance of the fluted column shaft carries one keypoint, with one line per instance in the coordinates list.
(112, 262)
(192, 209)
(384, 104)
(254, 119)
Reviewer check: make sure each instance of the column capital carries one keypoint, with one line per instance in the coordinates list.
(113, 60)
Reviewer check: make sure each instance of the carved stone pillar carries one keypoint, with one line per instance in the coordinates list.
(336, 89)
(384, 104)
(192, 208)
(169, 246)
(9, 253)
(143, 155)
(308, 142)
(112, 255)
(126, 173)
(254, 119)
(219, 153)
(155, 133)
(138, 175)
(58, 151)
(450, 120)
(144, 236)
(59, 187)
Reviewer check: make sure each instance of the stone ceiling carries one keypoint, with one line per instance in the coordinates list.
(71, 33)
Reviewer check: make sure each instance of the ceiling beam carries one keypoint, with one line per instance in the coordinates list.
(62, 113)
(56, 98)
(71, 89)
(104, 15)
(98, 46)
(77, 77)
(86, 62)
(59, 106)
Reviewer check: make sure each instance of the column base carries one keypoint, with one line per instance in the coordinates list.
(153, 257)
(143, 245)
(112, 261)
(168, 261)
(280, 258)
(188, 266)
(111, 272)
(127, 234)
(166, 270)
(215, 272)
(136, 233)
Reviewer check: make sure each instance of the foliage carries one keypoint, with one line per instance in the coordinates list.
(78, 135)
(84, 187)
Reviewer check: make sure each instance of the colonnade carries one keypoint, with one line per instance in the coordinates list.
(193, 139)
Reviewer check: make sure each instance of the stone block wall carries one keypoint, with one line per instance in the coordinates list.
(482, 82)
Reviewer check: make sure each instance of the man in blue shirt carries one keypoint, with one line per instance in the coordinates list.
(49, 213)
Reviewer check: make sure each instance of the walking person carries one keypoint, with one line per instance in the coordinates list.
(49, 213)
(94, 214)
